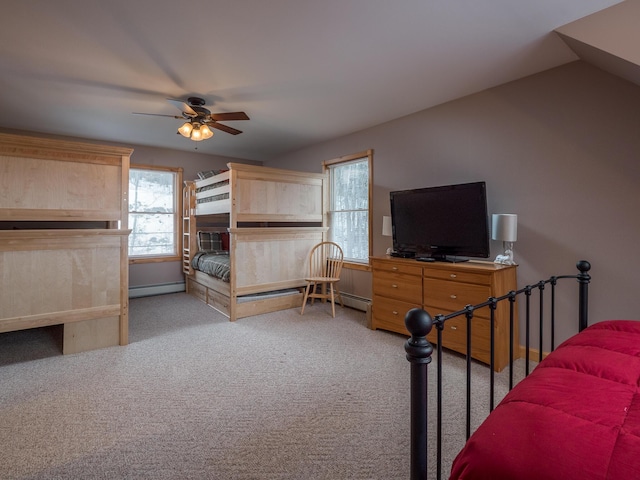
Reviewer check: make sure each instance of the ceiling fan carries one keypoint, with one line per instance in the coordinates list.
(199, 120)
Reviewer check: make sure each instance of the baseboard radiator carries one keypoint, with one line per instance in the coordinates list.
(354, 301)
(149, 290)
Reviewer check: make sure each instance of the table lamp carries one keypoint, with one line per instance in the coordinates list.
(505, 228)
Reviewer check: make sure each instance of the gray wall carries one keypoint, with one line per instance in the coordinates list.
(560, 148)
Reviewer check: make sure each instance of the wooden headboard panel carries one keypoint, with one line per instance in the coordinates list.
(44, 179)
(271, 258)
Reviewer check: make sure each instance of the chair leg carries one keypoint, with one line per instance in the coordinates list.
(306, 296)
(333, 302)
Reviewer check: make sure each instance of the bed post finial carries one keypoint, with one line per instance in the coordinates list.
(583, 294)
(419, 350)
(583, 266)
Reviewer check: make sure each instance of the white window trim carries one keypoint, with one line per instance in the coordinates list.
(177, 216)
(326, 165)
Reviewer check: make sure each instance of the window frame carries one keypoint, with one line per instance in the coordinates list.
(326, 167)
(177, 227)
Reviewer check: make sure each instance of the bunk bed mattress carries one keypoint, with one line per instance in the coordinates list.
(215, 264)
(577, 415)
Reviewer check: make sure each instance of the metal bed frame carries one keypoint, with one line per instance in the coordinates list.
(419, 353)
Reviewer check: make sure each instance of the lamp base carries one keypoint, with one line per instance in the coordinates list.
(506, 258)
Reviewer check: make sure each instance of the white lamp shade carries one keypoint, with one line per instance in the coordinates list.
(504, 227)
(386, 226)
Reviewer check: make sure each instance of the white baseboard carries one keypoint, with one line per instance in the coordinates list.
(148, 290)
(354, 301)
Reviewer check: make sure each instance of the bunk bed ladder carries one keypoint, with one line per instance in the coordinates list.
(188, 226)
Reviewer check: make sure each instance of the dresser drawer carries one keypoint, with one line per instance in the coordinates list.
(389, 314)
(453, 296)
(397, 268)
(454, 337)
(218, 301)
(407, 288)
(458, 276)
(196, 289)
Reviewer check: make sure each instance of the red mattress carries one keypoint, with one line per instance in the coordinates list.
(576, 416)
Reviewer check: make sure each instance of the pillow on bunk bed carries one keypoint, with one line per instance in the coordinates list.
(224, 240)
(212, 242)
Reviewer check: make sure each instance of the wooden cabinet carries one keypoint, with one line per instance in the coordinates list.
(442, 288)
(397, 288)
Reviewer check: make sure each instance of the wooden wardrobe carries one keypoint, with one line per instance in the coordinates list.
(63, 239)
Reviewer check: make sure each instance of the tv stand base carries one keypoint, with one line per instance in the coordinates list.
(451, 259)
(403, 254)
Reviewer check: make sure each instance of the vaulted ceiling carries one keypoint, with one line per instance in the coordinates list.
(609, 39)
(304, 71)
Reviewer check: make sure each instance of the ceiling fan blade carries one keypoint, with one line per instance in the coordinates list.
(158, 115)
(230, 116)
(224, 128)
(183, 107)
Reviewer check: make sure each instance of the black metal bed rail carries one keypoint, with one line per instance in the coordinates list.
(419, 353)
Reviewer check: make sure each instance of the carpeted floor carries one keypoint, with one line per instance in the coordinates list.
(194, 396)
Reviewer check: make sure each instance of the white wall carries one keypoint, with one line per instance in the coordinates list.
(560, 148)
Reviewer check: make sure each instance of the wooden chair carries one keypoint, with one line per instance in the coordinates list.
(325, 264)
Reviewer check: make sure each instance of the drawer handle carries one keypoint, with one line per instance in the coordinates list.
(453, 275)
(453, 295)
(394, 312)
(394, 268)
(453, 327)
(393, 285)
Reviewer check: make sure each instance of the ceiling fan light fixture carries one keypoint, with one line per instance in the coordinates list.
(185, 129)
(199, 122)
(196, 134)
(206, 132)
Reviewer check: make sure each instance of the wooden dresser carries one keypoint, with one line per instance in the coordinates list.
(402, 284)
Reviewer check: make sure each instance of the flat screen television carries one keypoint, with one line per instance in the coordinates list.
(446, 223)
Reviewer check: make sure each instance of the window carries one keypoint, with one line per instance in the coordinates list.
(349, 214)
(154, 212)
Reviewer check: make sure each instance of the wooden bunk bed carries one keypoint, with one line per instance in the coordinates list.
(63, 239)
(273, 218)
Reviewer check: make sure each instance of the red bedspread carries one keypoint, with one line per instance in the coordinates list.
(576, 416)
